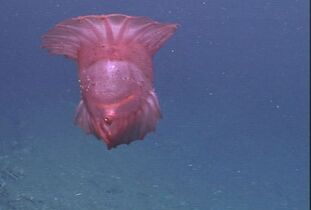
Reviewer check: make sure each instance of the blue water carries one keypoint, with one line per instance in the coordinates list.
(233, 85)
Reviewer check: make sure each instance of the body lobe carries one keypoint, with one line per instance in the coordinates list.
(112, 72)
(110, 80)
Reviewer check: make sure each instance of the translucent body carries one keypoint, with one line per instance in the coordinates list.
(114, 56)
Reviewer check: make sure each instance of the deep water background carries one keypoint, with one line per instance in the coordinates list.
(233, 85)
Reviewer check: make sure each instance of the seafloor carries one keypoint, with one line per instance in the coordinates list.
(48, 163)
